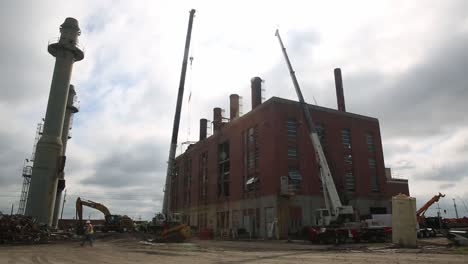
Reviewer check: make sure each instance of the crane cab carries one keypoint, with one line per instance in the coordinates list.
(322, 217)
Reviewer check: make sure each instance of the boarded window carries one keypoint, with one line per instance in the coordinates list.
(223, 169)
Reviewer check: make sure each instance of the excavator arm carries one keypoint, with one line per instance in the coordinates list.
(79, 207)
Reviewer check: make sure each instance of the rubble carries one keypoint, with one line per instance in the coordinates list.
(21, 229)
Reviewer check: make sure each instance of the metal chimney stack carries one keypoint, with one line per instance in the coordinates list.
(339, 90)
(217, 119)
(234, 106)
(72, 108)
(256, 85)
(47, 163)
(203, 127)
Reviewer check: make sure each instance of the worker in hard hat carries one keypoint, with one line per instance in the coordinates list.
(89, 232)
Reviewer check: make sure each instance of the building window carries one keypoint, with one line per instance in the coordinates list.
(187, 181)
(370, 142)
(346, 138)
(291, 127)
(224, 169)
(375, 185)
(295, 179)
(350, 184)
(251, 159)
(203, 176)
(292, 153)
(348, 159)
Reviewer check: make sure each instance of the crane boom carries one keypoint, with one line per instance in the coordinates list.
(420, 213)
(332, 200)
(175, 129)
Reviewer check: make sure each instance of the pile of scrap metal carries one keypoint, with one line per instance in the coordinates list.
(21, 229)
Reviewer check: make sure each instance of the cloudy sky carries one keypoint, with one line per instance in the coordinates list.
(403, 62)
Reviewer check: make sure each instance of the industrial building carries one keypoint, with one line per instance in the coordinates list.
(260, 167)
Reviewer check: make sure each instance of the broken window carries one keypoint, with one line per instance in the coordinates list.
(346, 138)
(187, 181)
(251, 152)
(223, 169)
(295, 179)
(203, 176)
(348, 159)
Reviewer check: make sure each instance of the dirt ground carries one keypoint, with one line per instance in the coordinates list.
(118, 249)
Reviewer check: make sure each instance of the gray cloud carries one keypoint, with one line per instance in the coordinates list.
(446, 186)
(128, 166)
(454, 172)
(428, 98)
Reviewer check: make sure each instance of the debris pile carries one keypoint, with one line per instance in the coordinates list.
(21, 229)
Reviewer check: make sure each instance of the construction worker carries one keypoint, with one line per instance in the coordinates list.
(89, 232)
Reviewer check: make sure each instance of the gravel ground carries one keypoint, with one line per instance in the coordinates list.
(128, 249)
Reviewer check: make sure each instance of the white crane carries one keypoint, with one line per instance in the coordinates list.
(334, 208)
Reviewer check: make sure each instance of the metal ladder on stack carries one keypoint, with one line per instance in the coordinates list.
(27, 172)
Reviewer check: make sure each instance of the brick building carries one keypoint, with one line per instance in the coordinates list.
(238, 177)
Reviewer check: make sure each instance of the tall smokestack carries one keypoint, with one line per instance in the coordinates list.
(234, 106)
(44, 179)
(339, 90)
(256, 85)
(71, 109)
(203, 126)
(217, 119)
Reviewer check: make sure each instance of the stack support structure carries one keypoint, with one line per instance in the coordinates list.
(72, 108)
(48, 161)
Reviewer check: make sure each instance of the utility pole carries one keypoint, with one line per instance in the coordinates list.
(63, 204)
(455, 205)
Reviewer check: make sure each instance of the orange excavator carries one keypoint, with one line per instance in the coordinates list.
(117, 223)
(424, 231)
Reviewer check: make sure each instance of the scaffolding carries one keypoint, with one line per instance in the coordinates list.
(27, 171)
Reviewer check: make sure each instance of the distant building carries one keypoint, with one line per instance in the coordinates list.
(239, 176)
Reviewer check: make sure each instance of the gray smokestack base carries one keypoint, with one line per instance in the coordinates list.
(339, 90)
(256, 85)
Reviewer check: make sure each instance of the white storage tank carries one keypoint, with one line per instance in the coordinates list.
(404, 230)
